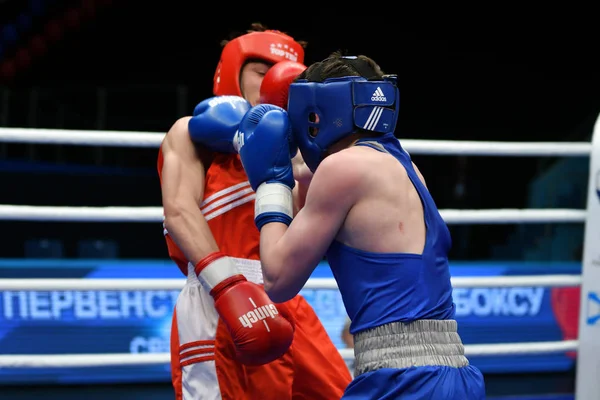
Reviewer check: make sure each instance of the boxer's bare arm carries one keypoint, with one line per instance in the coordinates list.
(289, 254)
(183, 180)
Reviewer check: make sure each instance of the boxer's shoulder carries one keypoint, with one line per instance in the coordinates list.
(341, 175)
(177, 143)
(177, 135)
(349, 165)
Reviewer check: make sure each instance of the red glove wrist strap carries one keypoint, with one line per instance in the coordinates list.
(218, 290)
(207, 260)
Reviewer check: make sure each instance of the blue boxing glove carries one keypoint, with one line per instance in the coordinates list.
(264, 141)
(216, 120)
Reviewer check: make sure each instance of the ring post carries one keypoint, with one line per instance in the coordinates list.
(588, 357)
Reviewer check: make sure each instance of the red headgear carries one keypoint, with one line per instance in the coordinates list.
(270, 46)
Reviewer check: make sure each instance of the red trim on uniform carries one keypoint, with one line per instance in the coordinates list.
(230, 196)
(238, 201)
(196, 344)
(204, 350)
(196, 360)
(206, 353)
(176, 375)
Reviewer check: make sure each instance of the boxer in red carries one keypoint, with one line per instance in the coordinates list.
(228, 340)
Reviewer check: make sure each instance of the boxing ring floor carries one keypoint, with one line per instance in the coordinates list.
(587, 386)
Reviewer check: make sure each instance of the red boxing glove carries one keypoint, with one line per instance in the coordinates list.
(260, 333)
(276, 83)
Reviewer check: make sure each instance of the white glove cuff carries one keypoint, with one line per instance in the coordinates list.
(274, 198)
(217, 271)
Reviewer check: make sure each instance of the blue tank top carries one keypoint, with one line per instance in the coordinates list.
(380, 288)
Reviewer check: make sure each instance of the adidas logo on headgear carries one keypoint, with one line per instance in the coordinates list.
(378, 95)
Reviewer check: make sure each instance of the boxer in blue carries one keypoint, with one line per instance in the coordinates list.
(369, 212)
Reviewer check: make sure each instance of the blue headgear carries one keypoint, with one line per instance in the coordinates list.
(321, 113)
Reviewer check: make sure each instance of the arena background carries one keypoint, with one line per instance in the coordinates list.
(137, 66)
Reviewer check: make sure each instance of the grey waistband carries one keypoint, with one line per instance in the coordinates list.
(416, 344)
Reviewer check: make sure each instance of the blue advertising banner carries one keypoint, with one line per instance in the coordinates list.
(67, 322)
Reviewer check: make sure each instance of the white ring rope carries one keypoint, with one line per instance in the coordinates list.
(128, 359)
(82, 138)
(431, 147)
(12, 212)
(80, 284)
(154, 214)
